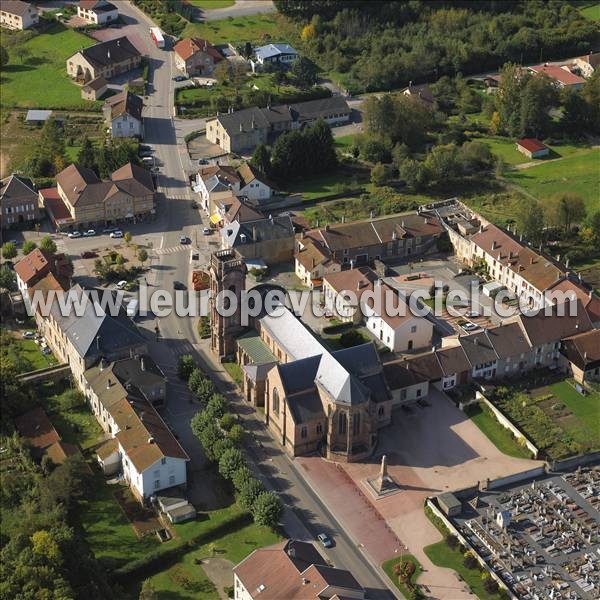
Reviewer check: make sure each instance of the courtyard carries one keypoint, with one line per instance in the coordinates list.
(433, 449)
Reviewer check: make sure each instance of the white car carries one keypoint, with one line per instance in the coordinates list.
(75, 234)
(89, 233)
(206, 231)
(470, 326)
(121, 284)
(116, 234)
(29, 335)
(472, 314)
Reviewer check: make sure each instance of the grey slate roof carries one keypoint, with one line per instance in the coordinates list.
(15, 187)
(110, 52)
(258, 230)
(271, 50)
(306, 407)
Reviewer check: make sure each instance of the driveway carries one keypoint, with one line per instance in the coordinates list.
(429, 451)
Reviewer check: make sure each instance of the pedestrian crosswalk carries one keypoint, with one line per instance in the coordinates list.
(171, 249)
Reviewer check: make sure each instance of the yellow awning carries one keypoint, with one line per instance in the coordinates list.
(214, 219)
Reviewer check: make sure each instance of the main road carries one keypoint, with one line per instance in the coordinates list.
(305, 513)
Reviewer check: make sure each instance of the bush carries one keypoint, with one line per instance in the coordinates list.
(185, 366)
(490, 585)
(330, 329)
(241, 477)
(220, 447)
(70, 399)
(236, 435)
(352, 338)
(227, 421)
(267, 509)
(249, 492)
(216, 406)
(231, 460)
(470, 562)
(204, 328)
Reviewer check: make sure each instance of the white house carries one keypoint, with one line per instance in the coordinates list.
(274, 54)
(123, 115)
(15, 14)
(356, 281)
(97, 12)
(253, 184)
(403, 332)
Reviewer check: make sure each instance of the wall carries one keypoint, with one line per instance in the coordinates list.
(516, 478)
(412, 393)
(508, 424)
(577, 461)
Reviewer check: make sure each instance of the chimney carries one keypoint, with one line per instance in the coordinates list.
(327, 227)
(304, 581)
(314, 262)
(394, 235)
(531, 260)
(343, 218)
(567, 263)
(108, 55)
(494, 245)
(142, 363)
(254, 233)
(98, 343)
(108, 384)
(151, 440)
(352, 264)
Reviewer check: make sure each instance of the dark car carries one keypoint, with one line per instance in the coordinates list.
(178, 285)
(179, 78)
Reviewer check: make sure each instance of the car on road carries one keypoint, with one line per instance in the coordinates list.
(75, 234)
(116, 234)
(195, 256)
(180, 78)
(29, 335)
(89, 233)
(110, 229)
(470, 326)
(325, 540)
(178, 285)
(145, 153)
(120, 284)
(184, 239)
(203, 161)
(206, 231)
(148, 160)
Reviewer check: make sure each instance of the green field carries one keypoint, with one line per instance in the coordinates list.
(497, 434)
(579, 173)
(590, 10)
(40, 80)
(585, 408)
(345, 142)
(211, 4)
(236, 30)
(323, 185)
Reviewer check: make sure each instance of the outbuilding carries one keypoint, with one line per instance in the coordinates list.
(450, 504)
(532, 147)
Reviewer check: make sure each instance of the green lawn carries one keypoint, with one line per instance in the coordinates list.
(497, 434)
(211, 4)
(235, 372)
(24, 354)
(585, 408)
(590, 10)
(41, 81)
(388, 567)
(345, 142)
(323, 185)
(579, 173)
(236, 30)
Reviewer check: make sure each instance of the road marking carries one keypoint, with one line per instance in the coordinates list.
(162, 241)
(172, 249)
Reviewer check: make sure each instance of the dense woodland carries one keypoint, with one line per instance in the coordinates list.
(384, 45)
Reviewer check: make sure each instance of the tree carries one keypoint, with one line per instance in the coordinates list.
(442, 164)
(236, 434)
(565, 208)
(47, 245)
(127, 237)
(220, 447)
(44, 545)
(475, 157)
(261, 159)
(508, 99)
(230, 461)
(142, 255)
(185, 366)
(241, 476)
(351, 338)
(227, 421)
(538, 96)
(249, 492)
(120, 260)
(29, 246)
(8, 279)
(380, 175)
(87, 155)
(208, 437)
(267, 509)
(530, 220)
(195, 377)
(216, 406)
(204, 390)
(9, 250)
(304, 72)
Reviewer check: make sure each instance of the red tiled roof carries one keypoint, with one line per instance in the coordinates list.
(559, 74)
(56, 208)
(36, 429)
(531, 144)
(189, 46)
(34, 265)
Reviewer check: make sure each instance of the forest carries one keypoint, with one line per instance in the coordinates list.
(383, 45)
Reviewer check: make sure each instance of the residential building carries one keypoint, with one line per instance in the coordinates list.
(532, 148)
(195, 56)
(401, 332)
(123, 115)
(293, 570)
(97, 12)
(358, 281)
(274, 54)
(127, 196)
(422, 93)
(242, 130)
(268, 238)
(34, 267)
(587, 65)
(582, 355)
(361, 242)
(562, 76)
(234, 209)
(19, 201)
(217, 182)
(571, 290)
(94, 89)
(313, 263)
(106, 59)
(122, 396)
(15, 14)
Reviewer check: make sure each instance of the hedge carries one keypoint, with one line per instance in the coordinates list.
(338, 327)
(165, 556)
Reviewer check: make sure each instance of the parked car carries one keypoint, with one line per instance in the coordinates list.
(116, 234)
(29, 335)
(120, 284)
(194, 204)
(145, 153)
(472, 314)
(206, 231)
(178, 285)
(184, 239)
(148, 160)
(325, 540)
(75, 234)
(46, 351)
(155, 169)
(179, 78)
(203, 161)
(470, 326)
(89, 233)
(110, 229)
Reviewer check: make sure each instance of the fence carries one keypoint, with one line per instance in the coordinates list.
(508, 424)
(576, 461)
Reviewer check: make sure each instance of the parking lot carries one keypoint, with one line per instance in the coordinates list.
(542, 537)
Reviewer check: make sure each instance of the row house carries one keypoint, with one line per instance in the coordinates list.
(97, 12)
(19, 202)
(18, 15)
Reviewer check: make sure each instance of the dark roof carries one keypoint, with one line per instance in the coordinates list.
(260, 230)
(583, 349)
(314, 109)
(306, 406)
(426, 367)
(97, 5)
(96, 84)
(110, 52)
(125, 103)
(421, 92)
(244, 119)
(299, 375)
(16, 187)
(138, 372)
(452, 359)
(398, 375)
(133, 179)
(478, 348)
(15, 7)
(302, 554)
(334, 577)
(508, 340)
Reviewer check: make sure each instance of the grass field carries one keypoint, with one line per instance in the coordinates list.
(323, 185)
(388, 567)
(345, 142)
(211, 4)
(497, 434)
(41, 81)
(590, 10)
(585, 408)
(579, 173)
(236, 30)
